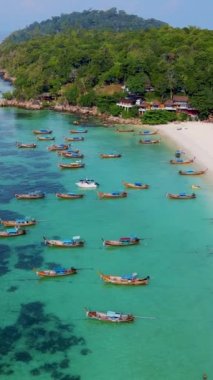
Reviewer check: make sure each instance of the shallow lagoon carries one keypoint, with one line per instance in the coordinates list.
(44, 332)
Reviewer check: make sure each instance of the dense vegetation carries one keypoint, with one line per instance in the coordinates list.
(89, 19)
(76, 65)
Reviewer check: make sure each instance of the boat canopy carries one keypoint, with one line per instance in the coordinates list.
(113, 314)
(131, 276)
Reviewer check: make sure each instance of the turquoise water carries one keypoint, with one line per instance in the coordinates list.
(44, 333)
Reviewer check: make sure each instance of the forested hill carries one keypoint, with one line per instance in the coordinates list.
(111, 19)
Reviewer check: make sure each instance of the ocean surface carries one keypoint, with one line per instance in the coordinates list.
(44, 333)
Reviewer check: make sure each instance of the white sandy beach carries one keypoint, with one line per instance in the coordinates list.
(194, 138)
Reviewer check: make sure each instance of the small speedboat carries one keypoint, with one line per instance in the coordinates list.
(87, 184)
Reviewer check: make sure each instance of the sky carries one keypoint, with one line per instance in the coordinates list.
(17, 14)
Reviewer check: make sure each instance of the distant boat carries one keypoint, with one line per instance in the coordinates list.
(179, 161)
(31, 195)
(45, 138)
(192, 172)
(42, 131)
(196, 186)
(126, 279)
(110, 155)
(19, 222)
(136, 185)
(87, 183)
(181, 196)
(12, 232)
(72, 165)
(114, 195)
(110, 316)
(57, 272)
(21, 145)
(79, 130)
(122, 242)
(149, 141)
(68, 151)
(72, 155)
(76, 138)
(148, 132)
(124, 130)
(74, 242)
(58, 147)
(69, 195)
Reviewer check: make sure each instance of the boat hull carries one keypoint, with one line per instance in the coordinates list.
(104, 317)
(117, 280)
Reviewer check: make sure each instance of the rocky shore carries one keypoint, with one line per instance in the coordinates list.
(80, 111)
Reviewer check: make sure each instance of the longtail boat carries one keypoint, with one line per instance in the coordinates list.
(76, 138)
(56, 272)
(124, 130)
(64, 152)
(18, 222)
(74, 242)
(179, 161)
(181, 196)
(69, 195)
(72, 165)
(21, 145)
(72, 155)
(110, 316)
(79, 130)
(110, 155)
(58, 147)
(192, 172)
(45, 138)
(122, 242)
(149, 141)
(136, 185)
(12, 232)
(114, 195)
(148, 132)
(42, 131)
(127, 279)
(31, 195)
(87, 183)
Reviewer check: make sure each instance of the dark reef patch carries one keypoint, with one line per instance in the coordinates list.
(29, 257)
(5, 253)
(12, 289)
(37, 332)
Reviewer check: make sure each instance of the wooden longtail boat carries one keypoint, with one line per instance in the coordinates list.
(136, 185)
(115, 195)
(18, 222)
(122, 242)
(181, 196)
(45, 138)
(64, 152)
(57, 272)
(79, 130)
(110, 316)
(192, 172)
(124, 130)
(58, 147)
(69, 195)
(74, 242)
(179, 161)
(148, 132)
(11, 232)
(72, 165)
(42, 131)
(76, 138)
(127, 279)
(32, 195)
(20, 145)
(72, 155)
(110, 155)
(149, 141)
